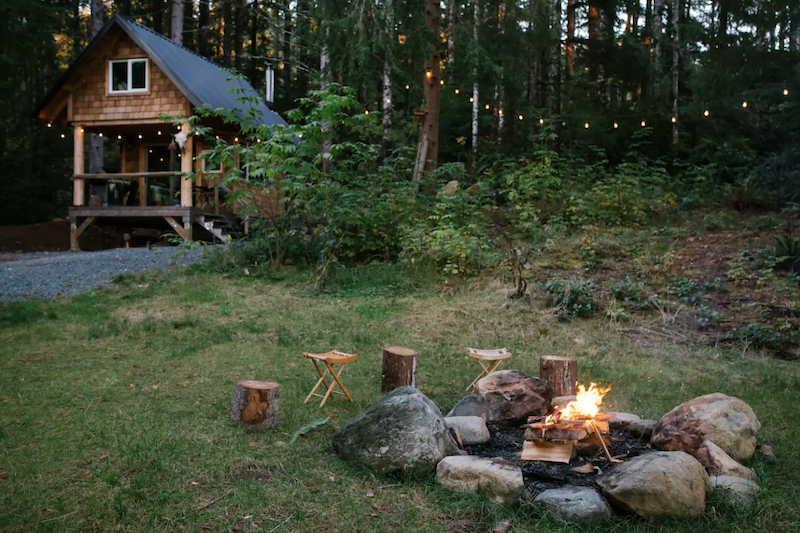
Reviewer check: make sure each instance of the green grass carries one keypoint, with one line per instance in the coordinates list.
(114, 406)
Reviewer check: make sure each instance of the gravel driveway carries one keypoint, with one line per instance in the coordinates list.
(51, 274)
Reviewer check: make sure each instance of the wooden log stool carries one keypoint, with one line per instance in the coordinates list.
(255, 403)
(489, 361)
(399, 368)
(561, 373)
(330, 359)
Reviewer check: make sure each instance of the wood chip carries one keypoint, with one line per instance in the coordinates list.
(502, 526)
(583, 469)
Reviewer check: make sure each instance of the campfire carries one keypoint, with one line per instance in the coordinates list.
(578, 428)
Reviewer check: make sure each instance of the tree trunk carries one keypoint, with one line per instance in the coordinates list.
(658, 37)
(303, 37)
(176, 22)
(95, 141)
(451, 43)
(203, 47)
(475, 93)
(227, 35)
(287, 53)
(239, 31)
(676, 54)
(252, 72)
(255, 403)
(561, 373)
(387, 105)
(158, 16)
(188, 25)
(555, 61)
(399, 368)
(432, 90)
(569, 52)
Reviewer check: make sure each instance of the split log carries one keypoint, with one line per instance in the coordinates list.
(255, 403)
(561, 373)
(399, 368)
(557, 434)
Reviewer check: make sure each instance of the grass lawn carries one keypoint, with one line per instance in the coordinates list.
(114, 406)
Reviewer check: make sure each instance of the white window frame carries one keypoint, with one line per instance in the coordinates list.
(204, 161)
(130, 63)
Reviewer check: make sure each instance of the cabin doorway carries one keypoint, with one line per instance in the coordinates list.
(161, 191)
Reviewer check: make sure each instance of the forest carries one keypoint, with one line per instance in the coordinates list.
(537, 100)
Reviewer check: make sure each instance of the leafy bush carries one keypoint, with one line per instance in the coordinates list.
(565, 297)
(766, 223)
(631, 293)
(690, 291)
(784, 254)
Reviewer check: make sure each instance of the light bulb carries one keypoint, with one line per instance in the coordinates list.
(236, 139)
(428, 73)
(63, 136)
(706, 113)
(471, 99)
(616, 125)
(49, 125)
(487, 106)
(159, 132)
(744, 104)
(586, 126)
(500, 111)
(441, 82)
(786, 92)
(100, 134)
(119, 137)
(406, 87)
(644, 123)
(674, 120)
(541, 121)
(456, 91)
(520, 117)
(140, 135)
(366, 112)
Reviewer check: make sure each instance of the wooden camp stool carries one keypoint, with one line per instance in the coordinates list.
(330, 359)
(489, 361)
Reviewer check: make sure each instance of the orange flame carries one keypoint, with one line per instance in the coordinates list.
(587, 403)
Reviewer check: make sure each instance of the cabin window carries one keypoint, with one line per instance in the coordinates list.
(207, 166)
(127, 76)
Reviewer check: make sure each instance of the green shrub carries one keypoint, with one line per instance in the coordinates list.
(766, 223)
(784, 254)
(569, 297)
(631, 293)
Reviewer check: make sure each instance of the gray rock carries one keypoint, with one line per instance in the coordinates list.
(404, 432)
(658, 484)
(470, 406)
(575, 504)
(735, 488)
(560, 402)
(767, 453)
(726, 421)
(499, 480)
(642, 429)
(719, 463)
(512, 397)
(471, 429)
(622, 420)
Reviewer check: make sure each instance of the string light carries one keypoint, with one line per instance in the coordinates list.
(500, 111)
(63, 136)
(520, 117)
(49, 125)
(541, 121)
(258, 140)
(151, 151)
(140, 135)
(428, 73)
(366, 112)
(407, 87)
(456, 91)
(441, 82)
(82, 130)
(706, 113)
(119, 137)
(471, 99)
(300, 135)
(616, 125)
(159, 132)
(674, 120)
(744, 104)
(785, 92)
(388, 100)
(236, 139)
(586, 126)
(644, 123)
(100, 134)
(487, 106)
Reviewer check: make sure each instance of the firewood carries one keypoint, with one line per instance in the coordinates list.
(556, 433)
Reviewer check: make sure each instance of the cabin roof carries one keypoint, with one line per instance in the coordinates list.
(202, 81)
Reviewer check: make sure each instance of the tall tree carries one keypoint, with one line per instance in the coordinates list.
(675, 71)
(203, 41)
(387, 104)
(158, 16)
(429, 138)
(176, 22)
(476, 12)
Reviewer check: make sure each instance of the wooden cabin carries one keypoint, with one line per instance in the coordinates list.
(120, 87)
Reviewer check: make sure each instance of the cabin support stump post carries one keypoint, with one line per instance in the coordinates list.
(399, 368)
(78, 185)
(561, 373)
(186, 167)
(255, 403)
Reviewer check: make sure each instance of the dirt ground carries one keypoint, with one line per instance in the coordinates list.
(54, 236)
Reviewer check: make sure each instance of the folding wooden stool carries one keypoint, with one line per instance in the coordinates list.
(330, 359)
(493, 359)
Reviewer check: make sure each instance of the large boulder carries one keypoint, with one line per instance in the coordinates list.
(404, 432)
(642, 429)
(574, 504)
(511, 397)
(469, 406)
(499, 480)
(658, 484)
(719, 463)
(622, 420)
(726, 421)
(471, 429)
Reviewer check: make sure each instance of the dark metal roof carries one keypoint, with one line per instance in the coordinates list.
(203, 82)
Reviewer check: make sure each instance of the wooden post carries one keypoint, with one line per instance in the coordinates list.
(255, 403)
(399, 367)
(561, 373)
(142, 180)
(186, 168)
(78, 190)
